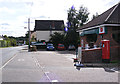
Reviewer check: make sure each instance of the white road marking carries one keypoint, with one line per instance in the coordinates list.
(54, 81)
(21, 59)
(46, 73)
(8, 61)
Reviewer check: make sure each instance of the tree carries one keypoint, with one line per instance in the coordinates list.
(13, 42)
(33, 39)
(71, 38)
(57, 38)
(72, 20)
(75, 20)
(94, 16)
(82, 15)
(5, 37)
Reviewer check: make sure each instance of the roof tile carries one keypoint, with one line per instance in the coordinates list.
(48, 25)
(113, 15)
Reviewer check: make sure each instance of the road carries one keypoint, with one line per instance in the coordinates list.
(7, 53)
(52, 66)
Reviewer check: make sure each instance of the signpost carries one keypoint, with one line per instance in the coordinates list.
(79, 57)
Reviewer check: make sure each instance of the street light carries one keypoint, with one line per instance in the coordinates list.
(29, 34)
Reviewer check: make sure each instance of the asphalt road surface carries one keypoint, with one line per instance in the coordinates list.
(52, 66)
(7, 53)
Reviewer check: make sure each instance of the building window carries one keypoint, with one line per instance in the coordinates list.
(116, 37)
(91, 39)
(116, 34)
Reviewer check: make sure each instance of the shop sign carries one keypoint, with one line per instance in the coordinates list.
(101, 30)
(93, 31)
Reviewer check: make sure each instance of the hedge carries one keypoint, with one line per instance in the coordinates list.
(7, 43)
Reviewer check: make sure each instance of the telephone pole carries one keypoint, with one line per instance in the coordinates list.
(29, 34)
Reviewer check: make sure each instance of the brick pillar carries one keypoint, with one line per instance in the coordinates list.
(84, 40)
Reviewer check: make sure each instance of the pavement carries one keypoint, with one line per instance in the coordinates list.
(101, 65)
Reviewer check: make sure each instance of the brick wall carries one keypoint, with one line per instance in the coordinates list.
(93, 55)
(114, 53)
(108, 36)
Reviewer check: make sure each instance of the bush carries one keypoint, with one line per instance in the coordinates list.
(72, 37)
(7, 43)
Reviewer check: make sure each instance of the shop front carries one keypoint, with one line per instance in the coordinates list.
(100, 38)
(91, 42)
(92, 38)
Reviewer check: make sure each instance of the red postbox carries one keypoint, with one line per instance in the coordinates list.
(106, 51)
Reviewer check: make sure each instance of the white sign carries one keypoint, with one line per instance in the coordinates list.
(79, 54)
(101, 30)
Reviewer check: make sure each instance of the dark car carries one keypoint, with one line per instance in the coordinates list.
(50, 46)
(61, 47)
(39, 45)
(71, 47)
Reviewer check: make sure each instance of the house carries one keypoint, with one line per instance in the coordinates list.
(44, 28)
(105, 26)
(1, 38)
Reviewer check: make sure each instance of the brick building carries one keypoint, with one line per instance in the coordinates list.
(105, 26)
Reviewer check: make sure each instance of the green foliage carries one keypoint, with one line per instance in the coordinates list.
(7, 42)
(94, 16)
(13, 42)
(71, 37)
(33, 39)
(77, 18)
(57, 38)
(27, 41)
(6, 38)
(73, 21)
(82, 15)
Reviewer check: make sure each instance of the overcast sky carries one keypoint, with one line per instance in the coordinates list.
(14, 14)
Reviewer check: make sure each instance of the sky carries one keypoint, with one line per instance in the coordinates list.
(14, 14)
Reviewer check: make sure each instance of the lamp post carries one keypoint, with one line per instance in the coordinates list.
(29, 34)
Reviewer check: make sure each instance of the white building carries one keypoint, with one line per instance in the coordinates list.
(44, 28)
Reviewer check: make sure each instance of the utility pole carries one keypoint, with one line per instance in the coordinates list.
(29, 34)
(50, 30)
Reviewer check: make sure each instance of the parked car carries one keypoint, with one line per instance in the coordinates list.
(61, 47)
(50, 46)
(71, 47)
(40, 45)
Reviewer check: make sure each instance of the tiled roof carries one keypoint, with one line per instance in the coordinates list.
(111, 16)
(45, 25)
(115, 16)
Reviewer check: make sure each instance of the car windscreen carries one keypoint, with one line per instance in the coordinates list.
(50, 45)
(61, 45)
